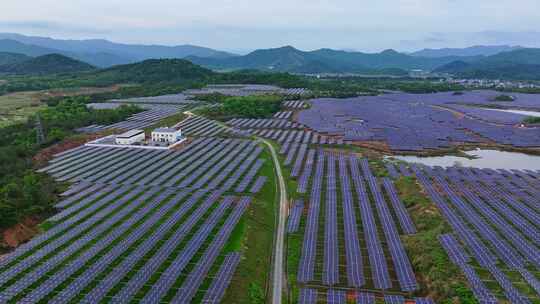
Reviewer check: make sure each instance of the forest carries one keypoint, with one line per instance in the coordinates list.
(24, 192)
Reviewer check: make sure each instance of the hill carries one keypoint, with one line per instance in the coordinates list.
(153, 71)
(10, 58)
(110, 53)
(521, 64)
(46, 64)
(289, 59)
(478, 50)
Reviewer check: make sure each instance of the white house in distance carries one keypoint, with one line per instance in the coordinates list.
(166, 135)
(130, 137)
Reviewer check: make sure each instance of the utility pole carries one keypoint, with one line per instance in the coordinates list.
(40, 135)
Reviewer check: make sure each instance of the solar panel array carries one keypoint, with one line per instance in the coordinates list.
(416, 122)
(108, 250)
(214, 163)
(495, 219)
(131, 213)
(200, 126)
(180, 99)
(141, 120)
(262, 123)
(296, 136)
(216, 291)
(335, 243)
(246, 90)
(295, 104)
(295, 215)
(283, 130)
(283, 114)
(313, 296)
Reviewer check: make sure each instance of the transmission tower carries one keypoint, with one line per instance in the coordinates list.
(40, 135)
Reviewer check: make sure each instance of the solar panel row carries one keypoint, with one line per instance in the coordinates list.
(307, 260)
(219, 284)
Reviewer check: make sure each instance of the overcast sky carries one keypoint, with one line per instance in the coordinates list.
(366, 25)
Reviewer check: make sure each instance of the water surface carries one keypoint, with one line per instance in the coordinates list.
(492, 159)
(525, 113)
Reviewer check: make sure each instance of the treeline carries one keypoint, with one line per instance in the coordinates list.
(263, 106)
(22, 191)
(532, 120)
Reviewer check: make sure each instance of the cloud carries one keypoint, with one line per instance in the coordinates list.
(233, 24)
(49, 26)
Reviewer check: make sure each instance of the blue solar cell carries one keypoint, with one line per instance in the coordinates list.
(221, 281)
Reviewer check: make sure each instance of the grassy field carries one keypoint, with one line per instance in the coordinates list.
(253, 237)
(436, 274)
(17, 107)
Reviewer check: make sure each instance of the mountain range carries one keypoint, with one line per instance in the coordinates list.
(100, 52)
(477, 50)
(506, 62)
(290, 59)
(517, 63)
(523, 64)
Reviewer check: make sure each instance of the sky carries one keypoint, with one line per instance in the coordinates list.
(244, 25)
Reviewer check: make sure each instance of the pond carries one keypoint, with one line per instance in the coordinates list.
(526, 113)
(493, 159)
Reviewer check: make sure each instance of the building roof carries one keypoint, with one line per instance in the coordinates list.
(165, 130)
(130, 133)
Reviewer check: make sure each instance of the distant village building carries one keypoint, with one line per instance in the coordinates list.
(130, 137)
(166, 135)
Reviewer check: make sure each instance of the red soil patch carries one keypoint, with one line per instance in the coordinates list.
(375, 145)
(20, 233)
(47, 154)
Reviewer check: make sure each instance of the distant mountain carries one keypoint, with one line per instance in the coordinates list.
(10, 58)
(289, 59)
(105, 53)
(46, 64)
(286, 59)
(521, 64)
(13, 46)
(96, 59)
(478, 50)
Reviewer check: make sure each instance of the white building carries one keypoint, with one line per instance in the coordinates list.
(167, 135)
(130, 137)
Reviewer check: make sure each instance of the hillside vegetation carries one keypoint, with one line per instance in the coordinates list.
(244, 107)
(46, 64)
(156, 75)
(521, 64)
(289, 59)
(153, 71)
(24, 193)
(11, 58)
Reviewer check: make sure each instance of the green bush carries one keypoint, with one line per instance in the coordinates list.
(504, 98)
(263, 106)
(532, 120)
